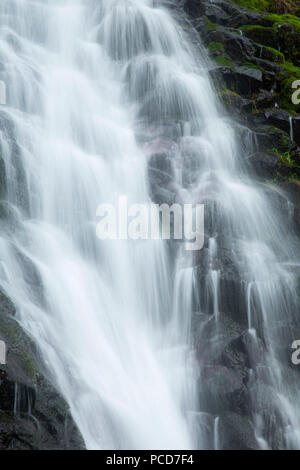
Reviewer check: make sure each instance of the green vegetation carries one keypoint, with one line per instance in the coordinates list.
(284, 158)
(216, 47)
(268, 6)
(254, 27)
(282, 19)
(223, 61)
(294, 177)
(261, 5)
(252, 66)
(227, 92)
(209, 25)
(275, 55)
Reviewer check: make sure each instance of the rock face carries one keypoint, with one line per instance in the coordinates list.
(32, 414)
(253, 66)
(256, 56)
(255, 63)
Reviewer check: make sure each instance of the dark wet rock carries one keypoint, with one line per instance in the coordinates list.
(235, 45)
(279, 118)
(160, 179)
(236, 433)
(296, 129)
(271, 55)
(32, 414)
(205, 332)
(264, 99)
(265, 164)
(243, 17)
(242, 80)
(213, 11)
(195, 7)
(221, 389)
(267, 66)
(269, 137)
(292, 188)
(288, 40)
(236, 104)
(261, 35)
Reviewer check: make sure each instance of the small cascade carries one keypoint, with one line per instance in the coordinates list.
(217, 433)
(291, 128)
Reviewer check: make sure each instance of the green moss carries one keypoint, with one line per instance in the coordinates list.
(221, 60)
(281, 19)
(284, 158)
(256, 27)
(294, 177)
(268, 6)
(277, 57)
(216, 47)
(227, 92)
(252, 66)
(209, 25)
(261, 5)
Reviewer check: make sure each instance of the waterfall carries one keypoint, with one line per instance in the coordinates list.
(101, 95)
(291, 128)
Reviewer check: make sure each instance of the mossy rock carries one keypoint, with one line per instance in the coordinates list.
(26, 396)
(269, 53)
(270, 137)
(261, 34)
(259, 5)
(223, 61)
(216, 48)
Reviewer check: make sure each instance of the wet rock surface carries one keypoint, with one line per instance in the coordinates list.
(33, 416)
(253, 65)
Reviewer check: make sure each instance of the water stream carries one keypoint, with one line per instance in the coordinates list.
(95, 89)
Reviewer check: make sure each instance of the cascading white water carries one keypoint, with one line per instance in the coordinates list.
(99, 311)
(94, 89)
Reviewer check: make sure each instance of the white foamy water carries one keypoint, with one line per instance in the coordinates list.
(86, 80)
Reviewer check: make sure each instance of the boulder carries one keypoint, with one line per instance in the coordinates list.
(242, 80)
(288, 39)
(269, 137)
(261, 35)
(264, 99)
(279, 118)
(220, 388)
(296, 129)
(243, 17)
(236, 432)
(234, 103)
(265, 164)
(236, 46)
(33, 415)
(213, 11)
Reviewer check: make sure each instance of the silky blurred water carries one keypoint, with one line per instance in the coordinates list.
(112, 319)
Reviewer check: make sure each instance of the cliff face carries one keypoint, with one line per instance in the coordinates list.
(254, 62)
(32, 414)
(256, 52)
